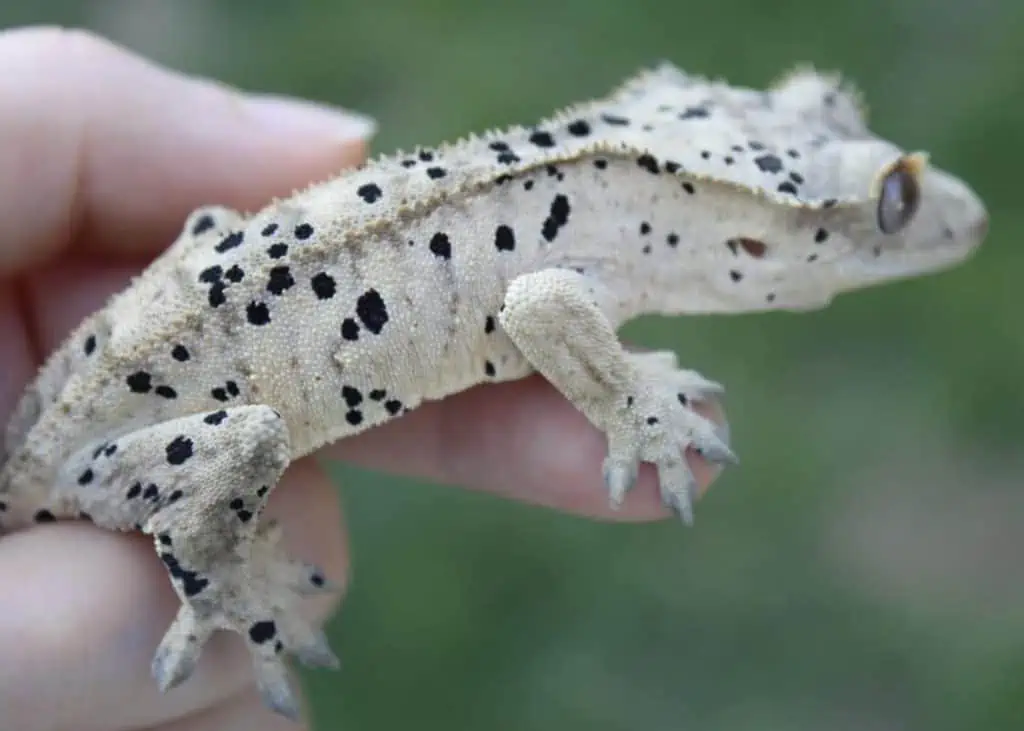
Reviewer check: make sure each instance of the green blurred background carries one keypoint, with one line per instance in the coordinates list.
(862, 568)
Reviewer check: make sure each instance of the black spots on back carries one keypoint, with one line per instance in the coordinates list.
(489, 324)
(180, 353)
(269, 230)
(579, 128)
(558, 216)
(203, 224)
(211, 274)
(645, 228)
(369, 192)
(229, 242)
(499, 146)
(542, 139)
(349, 329)
(234, 274)
(89, 345)
(223, 393)
(191, 582)
(648, 163)
(280, 280)
(600, 163)
(44, 516)
(165, 392)
(372, 311)
(820, 236)
(215, 276)
(440, 245)
(695, 113)
(393, 406)
(615, 120)
(735, 276)
(323, 285)
(303, 231)
(672, 239)
(354, 417)
(425, 155)
(86, 477)
(489, 370)
(753, 247)
(179, 450)
(505, 154)
(139, 382)
(277, 251)
(257, 313)
(436, 173)
(504, 238)
(768, 163)
(262, 632)
(353, 396)
(787, 186)
(507, 158)
(688, 187)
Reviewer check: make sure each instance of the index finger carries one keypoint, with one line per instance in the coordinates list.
(106, 148)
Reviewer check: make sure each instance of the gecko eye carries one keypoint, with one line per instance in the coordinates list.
(898, 200)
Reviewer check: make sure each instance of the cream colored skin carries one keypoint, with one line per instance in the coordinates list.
(253, 341)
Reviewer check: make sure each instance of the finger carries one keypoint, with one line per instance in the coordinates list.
(92, 605)
(521, 440)
(102, 146)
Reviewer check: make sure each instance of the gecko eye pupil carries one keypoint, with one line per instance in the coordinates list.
(898, 201)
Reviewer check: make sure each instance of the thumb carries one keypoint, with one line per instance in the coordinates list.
(116, 150)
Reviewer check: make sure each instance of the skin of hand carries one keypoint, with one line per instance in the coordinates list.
(102, 155)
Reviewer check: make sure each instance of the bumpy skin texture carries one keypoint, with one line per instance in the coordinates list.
(254, 340)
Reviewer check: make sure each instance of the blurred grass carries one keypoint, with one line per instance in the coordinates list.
(861, 569)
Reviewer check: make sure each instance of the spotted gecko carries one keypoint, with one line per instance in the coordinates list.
(255, 339)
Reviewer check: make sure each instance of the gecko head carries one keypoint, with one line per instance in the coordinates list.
(888, 215)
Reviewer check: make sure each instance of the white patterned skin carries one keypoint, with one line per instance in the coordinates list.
(255, 340)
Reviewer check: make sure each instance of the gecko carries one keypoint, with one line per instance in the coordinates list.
(256, 338)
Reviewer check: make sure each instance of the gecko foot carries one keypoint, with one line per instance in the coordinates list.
(254, 593)
(654, 423)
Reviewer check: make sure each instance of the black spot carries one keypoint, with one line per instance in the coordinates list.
(735, 275)
(793, 153)
(768, 163)
(694, 113)
(174, 497)
(648, 163)
(269, 229)
(211, 274)
(408, 163)
(729, 160)
(579, 128)
(316, 579)
(425, 155)
(440, 245)
(180, 353)
(672, 167)
(614, 120)
(109, 450)
(3, 506)
(86, 477)
(755, 145)
(216, 294)
(323, 286)
(705, 154)
(499, 146)
(812, 258)
(139, 382)
(219, 393)
(82, 515)
(369, 192)
(796, 178)
(165, 540)
(191, 582)
(507, 158)
(203, 224)
(527, 185)
(349, 329)
(215, 417)
(652, 420)
(688, 187)
(489, 325)
(647, 249)
(236, 504)
(393, 406)
(303, 231)
(232, 388)
(264, 631)
(828, 202)
(257, 313)
(234, 274)
(600, 163)
(682, 399)
(229, 242)
(89, 345)
(371, 311)
(179, 450)
(436, 173)
(44, 516)
(134, 491)
(645, 228)
(378, 394)
(276, 251)
(558, 217)
(672, 239)
(489, 368)
(770, 297)
(166, 392)
(542, 139)
(820, 235)
(280, 280)
(504, 238)
(353, 397)
(244, 515)
(787, 187)
(354, 417)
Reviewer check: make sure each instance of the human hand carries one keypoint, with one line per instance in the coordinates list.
(102, 155)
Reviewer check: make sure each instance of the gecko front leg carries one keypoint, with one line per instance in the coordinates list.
(556, 319)
(198, 484)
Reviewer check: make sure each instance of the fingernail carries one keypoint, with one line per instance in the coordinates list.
(298, 117)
